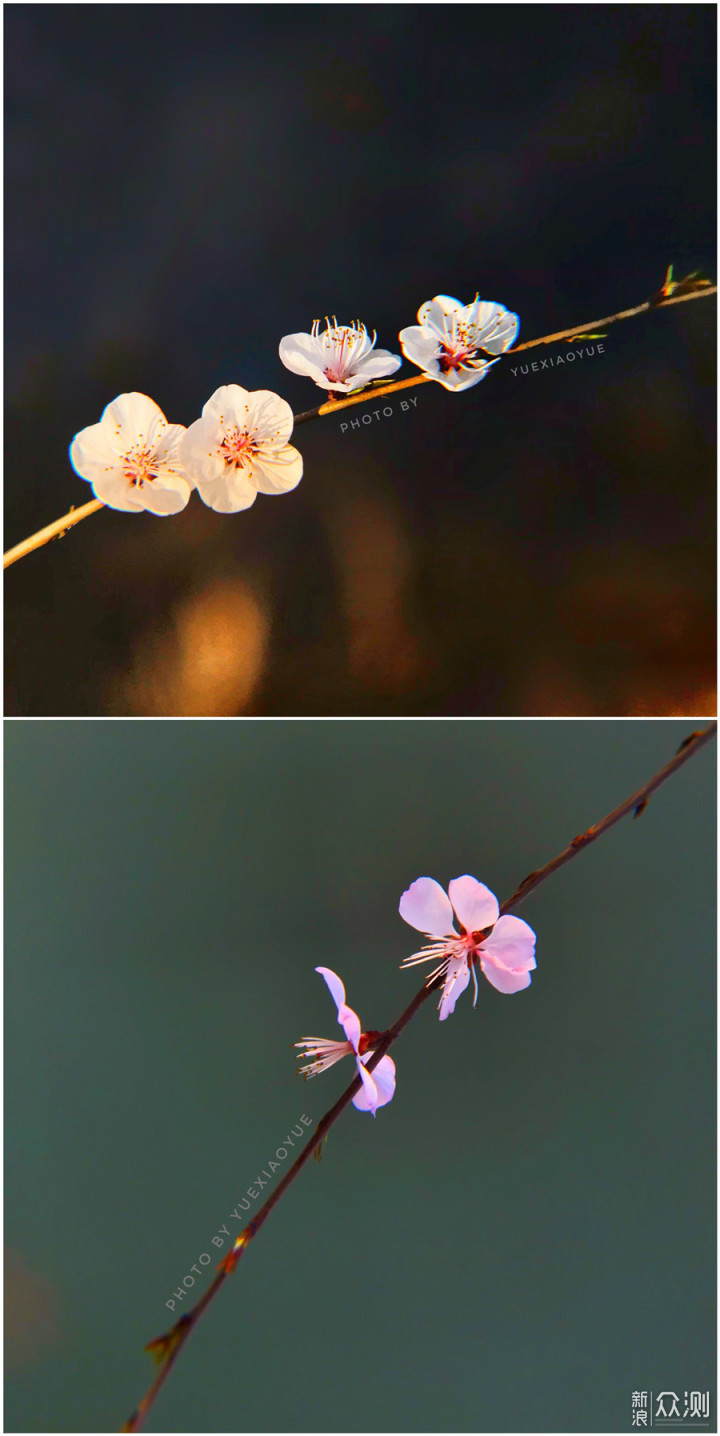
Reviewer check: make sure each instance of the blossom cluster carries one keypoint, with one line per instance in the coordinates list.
(240, 446)
(465, 932)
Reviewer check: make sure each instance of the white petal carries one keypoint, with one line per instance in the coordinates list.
(421, 347)
(229, 405)
(229, 494)
(303, 354)
(132, 415)
(167, 494)
(459, 379)
(199, 451)
(277, 473)
(92, 452)
(505, 331)
(113, 489)
(269, 418)
(376, 366)
(435, 310)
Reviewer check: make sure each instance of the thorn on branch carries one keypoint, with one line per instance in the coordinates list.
(163, 1346)
(687, 741)
(675, 287)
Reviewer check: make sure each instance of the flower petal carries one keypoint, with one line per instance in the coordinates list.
(384, 1078)
(368, 1090)
(378, 364)
(457, 978)
(426, 906)
(475, 906)
(350, 1023)
(167, 494)
(228, 405)
(335, 985)
(230, 493)
(93, 453)
(465, 378)
(433, 313)
(511, 942)
(501, 977)
(504, 333)
(199, 451)
(113, 489)
(303, 354)
(132, 416)
(277, 473)
(421, 347)
(270, 418)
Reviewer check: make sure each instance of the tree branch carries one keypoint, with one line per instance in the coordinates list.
(167, 1348)
(333, 406)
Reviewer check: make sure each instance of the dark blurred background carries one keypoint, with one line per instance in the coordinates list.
(186, 184)
(523, 1238)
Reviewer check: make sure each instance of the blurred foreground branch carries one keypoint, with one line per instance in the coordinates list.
(167, 1348)
(672, 292)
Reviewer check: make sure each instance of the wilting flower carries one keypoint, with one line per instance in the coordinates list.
(447, 340)
(239, 448)
(132, 458)
(504, 947)
(378, 1086)
(341, 358)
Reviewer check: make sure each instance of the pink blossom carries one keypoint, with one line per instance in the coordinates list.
(503, 947)
(378, 1086)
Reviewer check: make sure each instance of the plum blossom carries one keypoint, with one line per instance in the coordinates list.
(239, 448)
(448, 337)
(378, 1086)
(132, 458)
(503, 947)
(341, 358)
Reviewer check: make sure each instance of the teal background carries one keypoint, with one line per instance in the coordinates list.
(523, 1238)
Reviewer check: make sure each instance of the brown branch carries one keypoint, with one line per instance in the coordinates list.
(168, 1347)
(333, 406)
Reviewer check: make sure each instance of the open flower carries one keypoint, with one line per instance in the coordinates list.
(132, 458)
(378, 1086)
(448, 337)
(504, 947)
(342, 358)
(239, 448)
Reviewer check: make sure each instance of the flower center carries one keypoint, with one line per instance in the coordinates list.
(237, 446)
(138, 465)
(367, 1041)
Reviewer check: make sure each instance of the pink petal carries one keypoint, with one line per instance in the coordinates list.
(475, 906)
(502, 977)
(368, 1092)
(337, 990)
(426, 906)
(384, 1079)
(456, 980)
(350, 1023)
(511, 943)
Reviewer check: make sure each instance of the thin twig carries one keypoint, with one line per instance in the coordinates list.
(333, 406)
(167, 1348)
